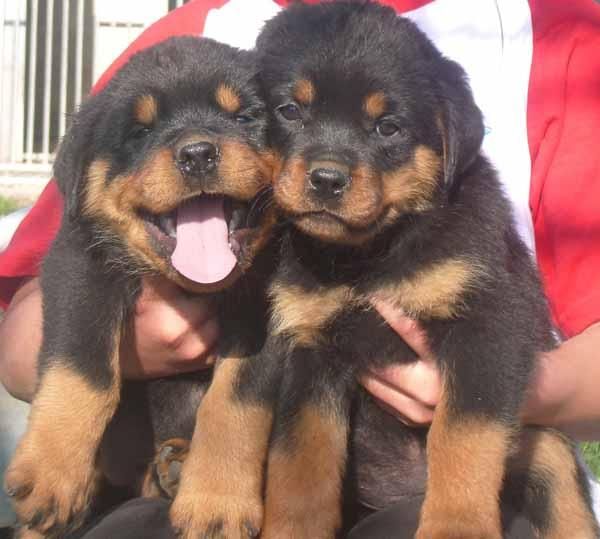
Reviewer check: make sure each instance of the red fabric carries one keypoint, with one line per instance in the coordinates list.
(563, 127)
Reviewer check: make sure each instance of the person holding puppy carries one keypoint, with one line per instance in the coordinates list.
(533, 76)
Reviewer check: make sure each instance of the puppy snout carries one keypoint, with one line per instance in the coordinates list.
(328, 180)
(197, 157)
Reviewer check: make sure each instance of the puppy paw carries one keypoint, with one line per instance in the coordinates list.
(209, 516)
(50, 492)
(167, 464)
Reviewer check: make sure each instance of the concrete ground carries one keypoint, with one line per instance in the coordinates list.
(22, 188)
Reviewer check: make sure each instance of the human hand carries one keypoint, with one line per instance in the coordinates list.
(171, 332)
(410, 391)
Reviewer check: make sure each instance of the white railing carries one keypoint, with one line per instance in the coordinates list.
(50, 53)
(12, 37)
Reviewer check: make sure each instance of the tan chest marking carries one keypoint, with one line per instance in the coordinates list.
(436, 291)
(303, 313)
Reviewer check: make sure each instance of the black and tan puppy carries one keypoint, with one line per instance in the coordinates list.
(390, 197)
(162, 173)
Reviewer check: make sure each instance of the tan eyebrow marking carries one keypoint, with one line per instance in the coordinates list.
(227, 98)
(304, 91)
(374, 104)
(146, 110)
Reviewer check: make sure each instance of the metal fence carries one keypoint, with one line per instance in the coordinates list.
(50, 53)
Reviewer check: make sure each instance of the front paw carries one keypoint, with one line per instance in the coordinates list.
(50, 492)
(210, 516)
(168, 463)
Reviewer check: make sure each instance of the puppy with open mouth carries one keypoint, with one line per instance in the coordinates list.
(164, 172)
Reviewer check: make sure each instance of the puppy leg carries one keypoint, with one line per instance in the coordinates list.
(545, 475)
(465, 458)
(307, 458)
(220, 493)
(474, 427)
(53, 474)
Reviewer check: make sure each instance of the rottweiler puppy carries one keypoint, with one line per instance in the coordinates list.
(164, 172)
(389, 196)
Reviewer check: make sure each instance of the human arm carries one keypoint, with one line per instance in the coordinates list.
(564, 393)
(172, 332)
(20, 338)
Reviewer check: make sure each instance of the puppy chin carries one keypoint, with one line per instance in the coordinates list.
(329, 229)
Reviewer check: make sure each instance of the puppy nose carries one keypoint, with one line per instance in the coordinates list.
(197, 157)
(328, 183)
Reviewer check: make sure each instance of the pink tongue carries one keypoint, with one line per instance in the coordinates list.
(202, 253)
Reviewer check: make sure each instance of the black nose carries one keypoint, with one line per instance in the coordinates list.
(328, 183)
(198, 157)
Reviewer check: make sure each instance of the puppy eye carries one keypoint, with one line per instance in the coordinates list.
(140, 131)
(243, 119)
(290, 112)
(386, 128)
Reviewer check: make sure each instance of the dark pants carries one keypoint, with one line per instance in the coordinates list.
(143, 518)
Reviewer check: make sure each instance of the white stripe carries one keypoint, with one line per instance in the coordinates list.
(493, 41)
(79, 52)
(238, 22)
(64, 59)
(47, 81)
(31, 79)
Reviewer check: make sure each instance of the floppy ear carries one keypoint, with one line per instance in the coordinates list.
(73, 158)
(462, 121)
